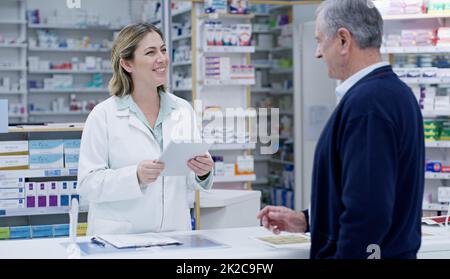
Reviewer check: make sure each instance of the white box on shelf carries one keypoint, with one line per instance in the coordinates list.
(13, 146)
(46, 161)
(12, 204)
(12, 193)
(228, 169)
(245, 164)
(46, 147)
(14, 162)
(12, 183)
(71, 160)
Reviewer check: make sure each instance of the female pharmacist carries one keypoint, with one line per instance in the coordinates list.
(123, 136)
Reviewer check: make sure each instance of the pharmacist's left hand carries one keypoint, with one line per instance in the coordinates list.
(201, 165)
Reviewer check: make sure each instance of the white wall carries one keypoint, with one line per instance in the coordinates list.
(314, 100)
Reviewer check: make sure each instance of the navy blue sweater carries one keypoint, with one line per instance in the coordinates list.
(368, 175)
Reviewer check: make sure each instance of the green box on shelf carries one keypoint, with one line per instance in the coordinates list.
(4, 233)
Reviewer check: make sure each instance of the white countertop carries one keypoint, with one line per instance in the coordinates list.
(239, 244)
(239, 241)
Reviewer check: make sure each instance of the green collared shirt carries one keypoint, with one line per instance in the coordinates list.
(166, 105)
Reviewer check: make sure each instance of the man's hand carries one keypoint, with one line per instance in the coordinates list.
(149, 170)
(280, 218)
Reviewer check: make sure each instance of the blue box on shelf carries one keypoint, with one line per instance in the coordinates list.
(19, 232)
(61, 230)
(42, 231)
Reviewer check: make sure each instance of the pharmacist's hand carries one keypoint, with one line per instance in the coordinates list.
(201, 165)
(148, 171)
(280, 218)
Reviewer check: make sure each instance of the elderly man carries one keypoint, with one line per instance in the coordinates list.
(368, 173)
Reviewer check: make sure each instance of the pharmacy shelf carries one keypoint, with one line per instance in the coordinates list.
(30, 173)
(226, 16)
(236, 178)
(268, 31)
(49, 127)
(70, 72)
(415, 16)
(12, 21)
(281, 71)
(271, 91)
(279, 28)
(261, 89)
(74, 27)
(182, 37)
(174, 14)
(414, 50)
(181, 89)
(229, 49)
(12, 115)
(181, 12)
(262, 66)
(263, 158)
(233, 146)
(58, 113)
(437, 175)
(262, 49)
(13, 45)
(67, 49)
(281, 49)
(13, 92)
(282, 162)
(435, 113)
(437, 144)
(261, 14)
(228, 82)
(261, 181)
(69, 90)
(274, 8)
(179, 64)
(12, 69)
(435, 206)
(38, 211)
(426, 80)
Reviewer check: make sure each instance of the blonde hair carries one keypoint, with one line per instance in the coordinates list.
(124, 47)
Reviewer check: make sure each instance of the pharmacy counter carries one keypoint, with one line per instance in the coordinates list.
(237, 243)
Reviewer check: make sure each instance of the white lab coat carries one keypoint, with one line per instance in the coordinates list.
(113, 143)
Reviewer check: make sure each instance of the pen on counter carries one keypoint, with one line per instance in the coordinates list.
(97, 242)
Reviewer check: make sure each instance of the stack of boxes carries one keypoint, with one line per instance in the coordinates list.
(13, 156)
(39, 231)
(20, 191)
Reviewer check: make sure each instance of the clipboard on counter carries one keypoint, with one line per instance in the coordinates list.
(124, 241)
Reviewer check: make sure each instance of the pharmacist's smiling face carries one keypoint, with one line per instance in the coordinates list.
(151, 60)
(327, 48)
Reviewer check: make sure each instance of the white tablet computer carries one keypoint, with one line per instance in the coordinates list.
(176, 156)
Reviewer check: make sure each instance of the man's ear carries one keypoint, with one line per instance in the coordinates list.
(126, 65)
(345, 38)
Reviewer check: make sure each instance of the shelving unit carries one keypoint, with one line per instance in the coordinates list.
(38, 214)
(271, 89)
(182, 50)
(222, 92)
(435, 150)
(13, 74)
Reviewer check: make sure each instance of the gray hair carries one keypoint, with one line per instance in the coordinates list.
(360, 17)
